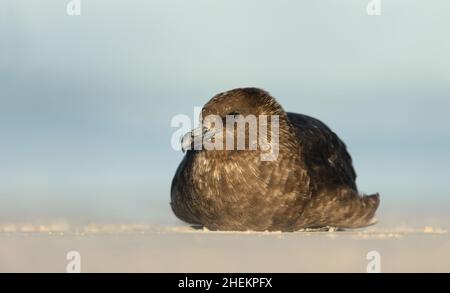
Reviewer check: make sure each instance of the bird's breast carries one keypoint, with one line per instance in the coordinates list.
(226, 180)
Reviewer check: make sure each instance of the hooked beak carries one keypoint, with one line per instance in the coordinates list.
(193, 140)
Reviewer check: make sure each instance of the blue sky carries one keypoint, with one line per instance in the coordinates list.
(86, 101)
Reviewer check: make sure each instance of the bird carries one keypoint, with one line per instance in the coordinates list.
(311, 184)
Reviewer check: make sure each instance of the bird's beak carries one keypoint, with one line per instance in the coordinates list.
(193, 140)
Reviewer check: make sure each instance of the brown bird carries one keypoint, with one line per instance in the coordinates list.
(310, 183)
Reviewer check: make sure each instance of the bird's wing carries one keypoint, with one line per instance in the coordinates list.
(325, 155)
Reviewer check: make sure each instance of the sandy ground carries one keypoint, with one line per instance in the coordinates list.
(144, 248)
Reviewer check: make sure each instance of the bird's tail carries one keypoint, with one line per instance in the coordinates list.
(342, 209)
(361, 213)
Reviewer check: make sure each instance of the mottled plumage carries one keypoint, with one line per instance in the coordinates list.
(310, 185)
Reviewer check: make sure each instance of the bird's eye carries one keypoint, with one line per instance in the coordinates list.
(234, 114)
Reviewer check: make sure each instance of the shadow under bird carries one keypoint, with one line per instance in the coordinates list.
(310, 183)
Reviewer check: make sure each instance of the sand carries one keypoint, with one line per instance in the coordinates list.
(180, 248)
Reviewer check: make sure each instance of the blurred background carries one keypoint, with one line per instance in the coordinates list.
(86, 101)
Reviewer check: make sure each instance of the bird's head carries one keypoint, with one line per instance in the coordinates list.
(236, 120)
(242, 101)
